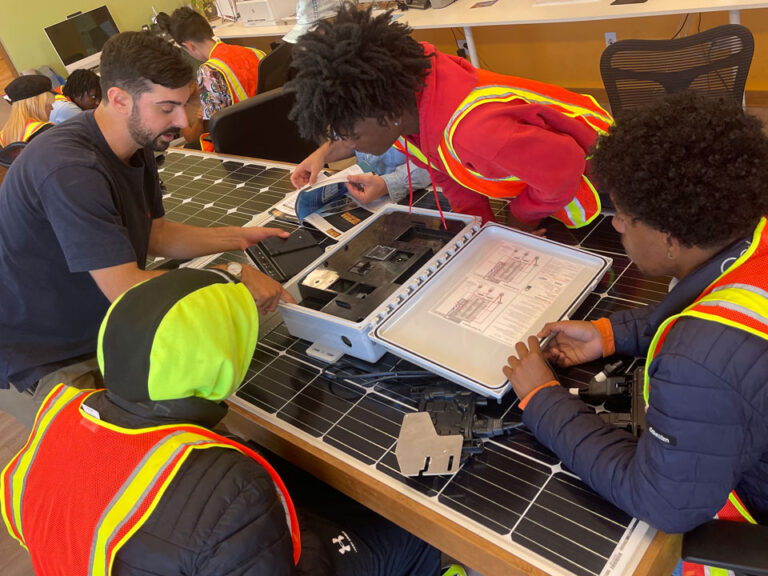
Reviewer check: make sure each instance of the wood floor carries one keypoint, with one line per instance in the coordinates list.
(14, 560)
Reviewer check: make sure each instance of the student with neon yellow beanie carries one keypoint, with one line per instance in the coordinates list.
(131, 480)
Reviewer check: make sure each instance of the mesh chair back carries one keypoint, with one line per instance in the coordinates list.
(259, 127)
(715, 62)
(273, 68)
(10, 153)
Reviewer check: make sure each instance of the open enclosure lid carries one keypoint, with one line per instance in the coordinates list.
(467, 313)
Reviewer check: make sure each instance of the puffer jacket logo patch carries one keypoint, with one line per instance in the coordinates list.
(661, 437)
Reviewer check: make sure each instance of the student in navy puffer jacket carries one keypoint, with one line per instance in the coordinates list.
(687, 176)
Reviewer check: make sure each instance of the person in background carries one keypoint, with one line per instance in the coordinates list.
(384, 175)
(687, 177)
(308, 14)
(81, 91)
(81, 209)
(228, 74)
(165, 493)
(364, 80)
(31, 101)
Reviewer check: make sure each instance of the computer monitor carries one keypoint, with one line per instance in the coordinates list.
(78, 40)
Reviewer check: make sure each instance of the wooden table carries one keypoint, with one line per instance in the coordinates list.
(457, 540)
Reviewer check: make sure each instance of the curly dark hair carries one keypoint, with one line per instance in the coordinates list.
(356, 67)
(185, 25)
(133, 60)
(81, 82)
(690, 166)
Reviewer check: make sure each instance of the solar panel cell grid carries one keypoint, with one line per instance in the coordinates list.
(515, 488)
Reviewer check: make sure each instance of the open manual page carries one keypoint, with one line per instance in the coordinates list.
(310, 203)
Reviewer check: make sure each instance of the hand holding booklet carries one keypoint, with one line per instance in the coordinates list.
(320, 195)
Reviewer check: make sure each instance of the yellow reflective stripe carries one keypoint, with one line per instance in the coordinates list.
(62, 395)
(452, 175)
(576, 211)
(714, 571)
(233, 84)
(259, 53)
(740, 300)
(132, 494)
(31, 128)
(414, 151)
(652, 353)
(733, 499)
(499, 93)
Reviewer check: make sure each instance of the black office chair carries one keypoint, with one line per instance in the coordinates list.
(273, 68)
(259, 128)
(736, 546)
(715, 62)
(9, 153)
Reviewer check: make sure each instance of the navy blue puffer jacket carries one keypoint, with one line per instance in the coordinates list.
(708, 417)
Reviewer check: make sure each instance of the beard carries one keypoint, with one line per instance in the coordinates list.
(144, 137)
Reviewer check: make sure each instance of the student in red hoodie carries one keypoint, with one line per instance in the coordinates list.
(364, 80)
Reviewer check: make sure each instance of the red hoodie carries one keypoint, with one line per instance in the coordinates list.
(539, 145)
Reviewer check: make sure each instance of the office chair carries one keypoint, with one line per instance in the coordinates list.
(259, 128)
(715, 62)
(736, 546)
(273, 68)
(9, 153)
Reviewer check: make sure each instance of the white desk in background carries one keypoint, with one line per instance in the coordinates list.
(460, 14)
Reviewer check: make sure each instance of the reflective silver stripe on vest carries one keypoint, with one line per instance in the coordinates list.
(748, 287)
(736, 308)
(138, 469)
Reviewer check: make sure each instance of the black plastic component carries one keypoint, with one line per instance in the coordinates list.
(354, 281)
(737, 546)
(284, 258)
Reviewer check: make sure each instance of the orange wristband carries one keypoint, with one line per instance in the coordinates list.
(603, 326)
(524, 401)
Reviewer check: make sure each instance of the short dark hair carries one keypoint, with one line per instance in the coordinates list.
(133, 60)
(356, 67)
(185, 24)
(690, 166)
(81, 82)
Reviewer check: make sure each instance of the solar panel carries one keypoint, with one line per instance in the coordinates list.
(515, 493)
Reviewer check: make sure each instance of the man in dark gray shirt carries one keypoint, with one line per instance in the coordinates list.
(81, 209)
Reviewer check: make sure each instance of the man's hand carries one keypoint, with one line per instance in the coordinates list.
(255, 234)
(366, 187)
(573, 342)
(309, 168)
(528, 370)
(266, 292)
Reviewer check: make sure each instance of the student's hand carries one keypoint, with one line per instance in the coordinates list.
(366, 187)
(527, 370)
(266, 292)
(573, 342)
(309, 168)
(254, 234)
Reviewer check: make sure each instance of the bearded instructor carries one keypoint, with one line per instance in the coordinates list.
(80, 211)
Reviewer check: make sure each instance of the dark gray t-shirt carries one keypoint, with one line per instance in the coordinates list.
(67, 205)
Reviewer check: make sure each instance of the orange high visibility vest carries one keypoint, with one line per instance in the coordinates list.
(60, 95)
(32, 127)
(121, 475)
(737, 298)
(493, 87)
(240, 67)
